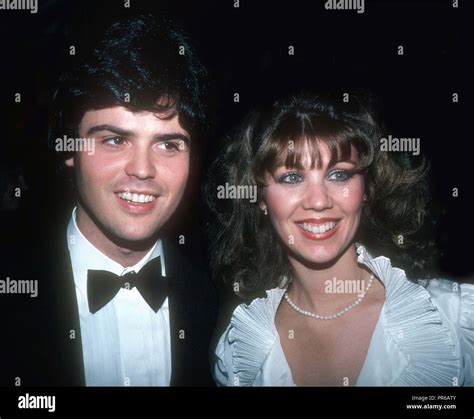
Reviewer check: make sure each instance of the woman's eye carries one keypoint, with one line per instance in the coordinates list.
(291, 178)
(114, 141)
(340, 175)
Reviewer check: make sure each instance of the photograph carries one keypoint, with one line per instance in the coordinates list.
(198, 196)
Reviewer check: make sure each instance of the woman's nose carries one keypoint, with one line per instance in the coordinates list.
(317, 196)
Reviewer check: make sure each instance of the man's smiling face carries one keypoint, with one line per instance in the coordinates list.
(135, 180)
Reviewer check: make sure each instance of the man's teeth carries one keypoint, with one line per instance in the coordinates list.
(137, 198)
(318, 228)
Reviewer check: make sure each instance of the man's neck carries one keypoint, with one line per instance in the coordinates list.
(123, 255)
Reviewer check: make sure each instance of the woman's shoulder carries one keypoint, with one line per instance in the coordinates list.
(431, 322)
(455, 301)
(441, 288)
(254, 323)
(256, 317)
(452, 299)
(247, 341)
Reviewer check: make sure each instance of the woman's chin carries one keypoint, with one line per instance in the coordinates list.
(322, 256)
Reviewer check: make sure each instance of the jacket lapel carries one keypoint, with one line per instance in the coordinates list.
(66, 333)
(193, 308)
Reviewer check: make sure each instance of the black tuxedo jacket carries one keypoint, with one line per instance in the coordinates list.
(41, 338)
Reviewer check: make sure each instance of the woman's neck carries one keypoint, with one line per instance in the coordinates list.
(327, 288)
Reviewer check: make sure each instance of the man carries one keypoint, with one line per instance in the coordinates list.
(117, 304)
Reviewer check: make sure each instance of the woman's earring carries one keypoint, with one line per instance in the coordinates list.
(265, 211)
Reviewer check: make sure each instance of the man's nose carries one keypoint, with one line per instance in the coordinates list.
(140, 163)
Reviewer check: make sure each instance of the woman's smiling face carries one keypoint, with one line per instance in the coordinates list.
(316, 211)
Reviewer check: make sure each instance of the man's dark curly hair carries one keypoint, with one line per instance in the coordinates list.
(142, 63)
(244, 248)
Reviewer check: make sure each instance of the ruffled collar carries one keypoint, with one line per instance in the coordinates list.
(410, 334)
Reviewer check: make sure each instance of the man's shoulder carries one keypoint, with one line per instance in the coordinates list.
(186, 273)
(177, 262)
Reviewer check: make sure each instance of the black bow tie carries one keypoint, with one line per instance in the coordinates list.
(102, 286)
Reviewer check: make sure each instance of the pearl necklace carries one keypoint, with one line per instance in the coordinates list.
(332, 316)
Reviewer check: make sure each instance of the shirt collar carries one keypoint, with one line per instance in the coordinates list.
(84, 255)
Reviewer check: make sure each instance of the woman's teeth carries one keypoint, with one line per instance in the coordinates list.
(136, 198)
(318, 228)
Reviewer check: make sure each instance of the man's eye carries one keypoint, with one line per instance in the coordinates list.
(340, 175)
(170, 145)
(114, 141)
(290, 178)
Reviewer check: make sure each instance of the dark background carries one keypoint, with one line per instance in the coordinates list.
(246, 51)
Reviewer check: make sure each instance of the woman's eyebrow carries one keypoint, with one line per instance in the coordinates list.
(344, 161)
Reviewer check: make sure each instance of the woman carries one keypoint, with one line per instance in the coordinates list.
(331, 313)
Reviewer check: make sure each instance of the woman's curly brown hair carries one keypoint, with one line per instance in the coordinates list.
(244, 248)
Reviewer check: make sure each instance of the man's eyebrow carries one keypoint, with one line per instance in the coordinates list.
(111, 128)
(125, 133)
(172, 136)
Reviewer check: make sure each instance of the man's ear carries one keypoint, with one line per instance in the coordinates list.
(69, 162)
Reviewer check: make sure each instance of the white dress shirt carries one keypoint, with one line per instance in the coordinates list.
(125, 343)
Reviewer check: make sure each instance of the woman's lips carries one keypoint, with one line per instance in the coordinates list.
(318, 229)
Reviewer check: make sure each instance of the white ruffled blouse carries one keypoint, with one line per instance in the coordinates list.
(424, 336)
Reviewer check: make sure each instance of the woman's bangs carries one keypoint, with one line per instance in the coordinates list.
(298, 147)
